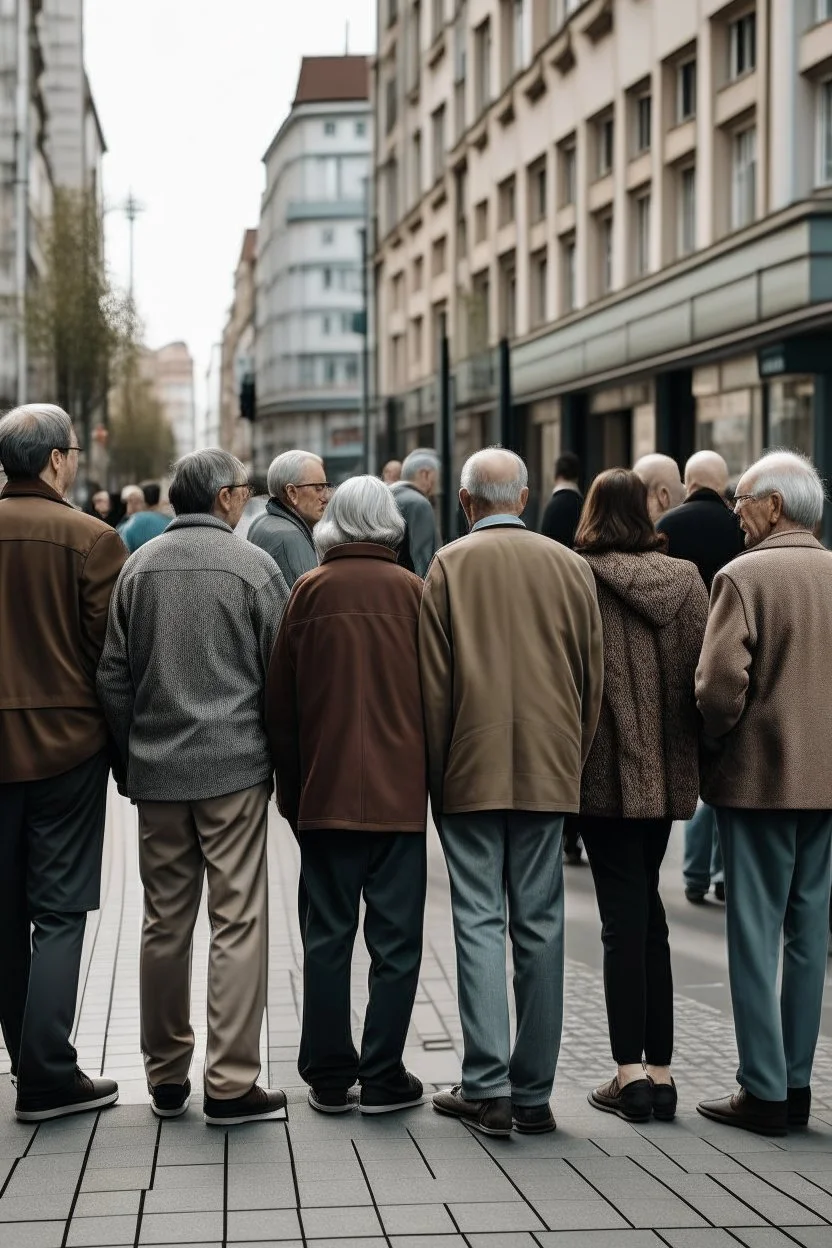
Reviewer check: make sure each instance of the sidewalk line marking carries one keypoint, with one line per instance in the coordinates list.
(77, 1192)
(462, 1234)
(475, 1136)
(421, 1154)
(372, 1194)
(139, 1219)
(295, 1182)
(668, 1188)
(598, 1191)
(155, 1153)
(225, 1191)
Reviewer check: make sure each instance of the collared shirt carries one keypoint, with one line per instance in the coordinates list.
(567, 485)
(488, 522)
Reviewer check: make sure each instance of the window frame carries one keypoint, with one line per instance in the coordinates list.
(823, 133)
(741, 196)
(643, 208)
(742, 45)
(683, 217)
(605, 136)
(689, 63)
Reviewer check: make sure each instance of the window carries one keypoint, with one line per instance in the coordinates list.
(360, 129)
(685, 91)
(418, 273)
(329, 127)
(439, 256)
(398, 292)
(327, 237)
(480, 310)
(823, 10)
(392, 11)
(518, 35)
(351, 368)
(508, 296)
(644, 123)
(326, 325)
(438, 17)
(460, 68)
(414, 47)
(327, 279)
(537, 191)
(329, 371)
(605, 253)
(482, 66)
(391, 106)
(416, 162)
(539, 283)
(417, 340)
(506, 202)
(328, 168)
(438, 128)
(744, 178)
(568, 289)
(347, 323)
(568, 172)
(642, 235)
(824, 173)
(398, 361)
(605, 138)
(392, 193)
(687, 211)
(307, 371)
(742, 46)
(481, 221)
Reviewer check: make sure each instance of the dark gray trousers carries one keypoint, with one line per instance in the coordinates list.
(51, 840)
(390, 869)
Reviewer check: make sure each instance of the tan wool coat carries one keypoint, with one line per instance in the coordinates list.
(644, 762)
(511, 664)
(764, 683)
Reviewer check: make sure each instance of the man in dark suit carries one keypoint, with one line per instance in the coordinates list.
(563, 511)
(704, 530)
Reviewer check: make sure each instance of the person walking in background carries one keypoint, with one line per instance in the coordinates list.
(349, 755)
(418, 484)
(641, 774)
(704, 530)
(147, 524)
(182, 680)
(58, 568)
(665, 491)
(391, 472)
(132, 502)
(102, 508)
(563, 511)
(298, 495)
(506, 742)
(763, 688)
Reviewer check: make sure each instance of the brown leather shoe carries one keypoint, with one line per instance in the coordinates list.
(748, 1112)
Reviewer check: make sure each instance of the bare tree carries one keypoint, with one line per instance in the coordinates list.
(141, 443)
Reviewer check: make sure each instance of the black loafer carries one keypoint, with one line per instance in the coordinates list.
(664, 1100)
(491, 1117)
(695, 896)
(258, 1105)
(406, 1094)
(329, 1101)
(633, 1102)
(799, 1107)
(81, 1095)
(748, 1112)
(170, 1100)
(533, 1119)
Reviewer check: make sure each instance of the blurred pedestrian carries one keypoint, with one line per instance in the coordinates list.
(418, 485)
(641, 774)
(298, 495)
(704, 530)
(58, 568)
(763, 688)
(142, 526)
(349, 753)
(132, 502)
(506, 741)
(101, 507)
(563, 511)
(182, 679)
(392, 472)
(660, 474)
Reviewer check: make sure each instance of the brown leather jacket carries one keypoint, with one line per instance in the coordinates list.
(58, 569)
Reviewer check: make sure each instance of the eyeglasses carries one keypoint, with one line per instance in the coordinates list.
(64, 450)
(240, 485)
(319, 486)
(739, 499)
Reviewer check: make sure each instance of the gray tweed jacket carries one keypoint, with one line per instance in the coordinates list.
(192, 623)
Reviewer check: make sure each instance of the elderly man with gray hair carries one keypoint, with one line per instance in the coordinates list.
(413, 492)
(298, 495)
(764, 689)
(191, 630)
(351, 781)
(511, 663)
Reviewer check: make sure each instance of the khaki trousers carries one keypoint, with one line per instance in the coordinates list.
(179, 843)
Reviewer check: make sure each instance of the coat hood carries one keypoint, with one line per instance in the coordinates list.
(651, 584)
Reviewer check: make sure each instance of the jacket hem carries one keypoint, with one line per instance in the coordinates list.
(548, 808)
(236, 785)
(351, 825)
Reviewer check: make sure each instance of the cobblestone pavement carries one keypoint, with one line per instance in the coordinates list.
(411, 1180)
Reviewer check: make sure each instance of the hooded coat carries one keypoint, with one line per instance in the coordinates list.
(644, 761)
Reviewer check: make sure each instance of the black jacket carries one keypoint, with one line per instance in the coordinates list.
(560, 519)
(287, 538)
(705, 531)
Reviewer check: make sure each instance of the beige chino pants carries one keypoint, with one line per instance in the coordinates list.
(179, 844)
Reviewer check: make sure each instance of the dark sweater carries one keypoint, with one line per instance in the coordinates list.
(705, 531)
(560, 519)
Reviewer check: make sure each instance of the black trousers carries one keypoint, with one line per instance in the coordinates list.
(390, 869)
(625, 856)
(51, 840)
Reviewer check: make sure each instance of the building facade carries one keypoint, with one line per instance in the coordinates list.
(309, 280)
(173, 382)
(238, 393)
(636, 195)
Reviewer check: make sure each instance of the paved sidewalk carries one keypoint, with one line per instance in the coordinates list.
(408, 1180)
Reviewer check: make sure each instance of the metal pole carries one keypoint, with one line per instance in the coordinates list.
(506, 415)
(22, 192)
(365, 354)
(446, 442)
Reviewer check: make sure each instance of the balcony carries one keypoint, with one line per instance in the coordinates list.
(325, 210)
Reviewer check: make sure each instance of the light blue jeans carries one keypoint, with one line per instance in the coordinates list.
(507, 863)
(777, 877)
(702, 864)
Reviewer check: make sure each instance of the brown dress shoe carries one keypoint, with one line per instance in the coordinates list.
(748, 1112)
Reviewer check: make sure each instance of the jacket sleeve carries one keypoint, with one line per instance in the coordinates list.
(436, 672)
(267, 609)
(723, 674)
(98, 580)
(421, 533)
(282, 723)
(593, 674)
(114, 680)
(297, 557)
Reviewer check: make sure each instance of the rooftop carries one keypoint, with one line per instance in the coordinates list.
(325, 79)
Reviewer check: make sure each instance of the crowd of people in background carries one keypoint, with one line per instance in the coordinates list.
(656, 653)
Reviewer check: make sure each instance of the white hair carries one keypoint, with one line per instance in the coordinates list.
(796, 479)
(360, 510)
(29, 435)
(288, 469)
(424, 458)
(478, 482)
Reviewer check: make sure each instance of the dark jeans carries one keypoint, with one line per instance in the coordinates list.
(390, 869)
(625, 856)
(51, 838)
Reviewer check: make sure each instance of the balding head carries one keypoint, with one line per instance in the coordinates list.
(706, 471)
(493, 482)
(133, 498)
(660, 474)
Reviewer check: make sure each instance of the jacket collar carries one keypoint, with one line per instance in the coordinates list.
(199, 520)
(501, 520)
(33, 489)
(274, 507)
(785, 539)
(705, 495)
(360, 550)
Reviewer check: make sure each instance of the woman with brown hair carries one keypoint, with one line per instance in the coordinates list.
(641, 774)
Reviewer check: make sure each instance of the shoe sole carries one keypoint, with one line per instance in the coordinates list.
(240, 1120)
(541, 1129)
(502, 1132)
(170, 1113)
(320, 1108)
(390, 1109)
(63, 1111)
(742, 1126)
(619, 1113)
(664, 1115)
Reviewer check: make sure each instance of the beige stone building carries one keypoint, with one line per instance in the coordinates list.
(173, 381)
(636, 194)
(237, 396)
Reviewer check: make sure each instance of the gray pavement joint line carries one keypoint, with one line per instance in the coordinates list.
(426, 990)
(651, 1139)
(225, 1191)
(730, 1231)
(421, 1154)
(155, 1155)
(461, 1234)
(142, 1196)
(759, 1213)
(25, 1152)
(77, 1191)
(775, 1190)
(506, 1175)
(115, 968)
(607, 1200)
(295, 1182)
(9, 1177)
(372, 1194)
(667, 1186)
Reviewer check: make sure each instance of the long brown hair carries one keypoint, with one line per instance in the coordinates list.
(616, 517)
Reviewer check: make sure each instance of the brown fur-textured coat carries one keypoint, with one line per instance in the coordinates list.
(644, 761)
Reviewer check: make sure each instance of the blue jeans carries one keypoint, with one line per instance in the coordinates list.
(703, 860)
(511, 861)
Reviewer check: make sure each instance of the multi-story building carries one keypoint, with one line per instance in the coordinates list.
(636, 194)
(74, 139)
(237, 380)
(309, 268)
(173, 381)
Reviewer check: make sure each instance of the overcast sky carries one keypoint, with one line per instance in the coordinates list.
(190, 93)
